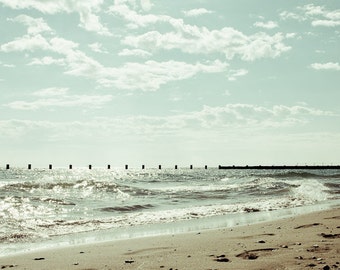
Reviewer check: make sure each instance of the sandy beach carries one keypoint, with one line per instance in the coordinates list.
(310, 241)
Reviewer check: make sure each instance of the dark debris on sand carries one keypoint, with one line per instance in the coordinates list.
(253, 254)
(307, 226)
(330, 235)
(221, 258)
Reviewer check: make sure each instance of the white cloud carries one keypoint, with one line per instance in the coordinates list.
(97, 47)
(149, 76)
(234, 74)
(34, 25)
(91, 22)
(223, 119)
(48, 6)
(26, 43)
(196, 12)
(6, 66)
(194, 39)
(320, 51)
(285, 15)
(63, 46)
(146, 5)
(317, 15)
(227, 92)
(86, 9)
(52, 91)
(134, 52)
(47, 60)
(322, 17)
(254, 116)
(326, 66)
(77, 62)
(266, 25)
(241, 116)
(228, 41)
(125, 9)
(291, 35)
(327, 23)
(59, 97)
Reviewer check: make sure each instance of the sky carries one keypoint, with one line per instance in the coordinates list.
(202, 82)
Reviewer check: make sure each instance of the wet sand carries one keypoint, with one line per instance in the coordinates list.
(310, 241)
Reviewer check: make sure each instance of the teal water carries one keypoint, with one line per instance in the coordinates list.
(40, 206)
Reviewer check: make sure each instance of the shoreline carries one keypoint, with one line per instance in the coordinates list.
(229, 220)
(295, 242)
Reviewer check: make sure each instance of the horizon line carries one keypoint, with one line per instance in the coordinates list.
(143, 167)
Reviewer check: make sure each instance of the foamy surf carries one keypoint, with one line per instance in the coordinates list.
(40, 205)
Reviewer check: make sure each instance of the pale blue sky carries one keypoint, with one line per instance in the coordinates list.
(169, 82)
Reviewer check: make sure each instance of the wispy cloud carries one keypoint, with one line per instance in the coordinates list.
(317, 15)
(134, 52)
(322, 17)
(87, 11)
(125, 9)
(146, 5)
(34, 25)
(59, 97)
(47, 60)
(148, 76)
(254, 116)
(235, 116)
(266, 25)
(26, 43)
(234, 74)
(286, 15)
(228, 41)
(6, 65)
(196, 12)
(326, 66)
(97, 47)
(197, 40)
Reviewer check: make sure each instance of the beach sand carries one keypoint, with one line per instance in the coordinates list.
(310, 241)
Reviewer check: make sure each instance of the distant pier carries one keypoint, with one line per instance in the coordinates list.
(281, 167)
(220, 167)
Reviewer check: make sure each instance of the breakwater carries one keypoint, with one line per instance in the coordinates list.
(281, 167)
(221, 167)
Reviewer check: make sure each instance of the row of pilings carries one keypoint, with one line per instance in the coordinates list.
(90, 167)
(259, 167)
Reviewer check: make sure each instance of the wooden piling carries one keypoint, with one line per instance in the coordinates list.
(205, 167)
(50, 166)
(143, 167)
(191, 167)
(159, 167)
(176, 167)
(126, 167)
(70, 166)
(90, 167)
(29, 166)
(108, 166)
(7, 166)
